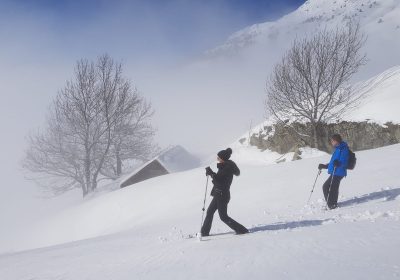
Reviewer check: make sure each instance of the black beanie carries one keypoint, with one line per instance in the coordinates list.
(225, 154)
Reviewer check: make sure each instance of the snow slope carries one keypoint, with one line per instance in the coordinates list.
(379, 19)
(138, 232)
(383, 98)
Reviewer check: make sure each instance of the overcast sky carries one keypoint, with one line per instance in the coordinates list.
(41, 41)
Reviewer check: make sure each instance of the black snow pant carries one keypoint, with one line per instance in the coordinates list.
(332, 195)
(220, 203)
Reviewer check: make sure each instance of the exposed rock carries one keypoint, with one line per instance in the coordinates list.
(296, 153)
(284, 138)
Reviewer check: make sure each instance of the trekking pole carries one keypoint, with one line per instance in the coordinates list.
(330, 186)
(315, 182)
(203, 209)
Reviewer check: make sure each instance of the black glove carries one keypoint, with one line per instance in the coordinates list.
(336, 163)
(209, 171)
(322, 166)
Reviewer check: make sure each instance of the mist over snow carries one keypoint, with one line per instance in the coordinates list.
(227, 84)
(155, 40)
(203, 66)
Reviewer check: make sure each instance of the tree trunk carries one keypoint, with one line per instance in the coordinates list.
(87, 182)
(93, 185)
(84, 190)
(315, 136)
(119, 162)
(119, 166)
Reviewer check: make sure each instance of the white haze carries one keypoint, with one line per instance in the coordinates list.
(200, 108)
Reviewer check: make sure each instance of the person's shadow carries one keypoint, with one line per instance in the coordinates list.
(289, 225)
(388, 195)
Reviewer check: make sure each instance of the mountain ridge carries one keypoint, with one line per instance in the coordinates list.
(326, 13)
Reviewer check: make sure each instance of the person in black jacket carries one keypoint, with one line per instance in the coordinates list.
(222, 181)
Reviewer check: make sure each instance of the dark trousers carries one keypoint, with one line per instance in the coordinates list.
(332, 195)
(220, 203)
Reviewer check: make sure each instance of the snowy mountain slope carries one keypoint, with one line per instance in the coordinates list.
(383, 98)
(379, 19)
(237, 71)
(147, 223)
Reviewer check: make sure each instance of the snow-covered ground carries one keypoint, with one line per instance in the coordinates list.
(138, 232)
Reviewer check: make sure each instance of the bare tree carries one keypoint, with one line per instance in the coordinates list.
(131, 140)
(90, 119)
(311, 83)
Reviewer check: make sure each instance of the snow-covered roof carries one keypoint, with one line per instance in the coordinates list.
(173, 159)
(177, 158)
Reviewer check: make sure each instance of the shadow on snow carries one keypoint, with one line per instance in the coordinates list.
(289, 225)
(388, 195)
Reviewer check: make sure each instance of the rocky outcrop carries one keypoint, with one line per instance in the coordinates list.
(284, 138)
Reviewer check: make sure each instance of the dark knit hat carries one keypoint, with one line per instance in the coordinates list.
(336, 137)
(225, 154)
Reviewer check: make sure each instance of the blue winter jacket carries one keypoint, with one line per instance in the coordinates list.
(341, 154)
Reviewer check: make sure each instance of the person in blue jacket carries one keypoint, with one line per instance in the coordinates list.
(337, 169)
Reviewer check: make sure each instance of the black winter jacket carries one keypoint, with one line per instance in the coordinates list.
(223, 178)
